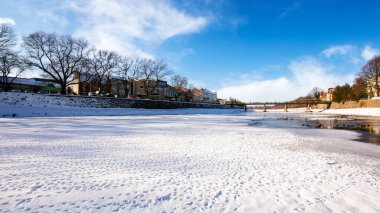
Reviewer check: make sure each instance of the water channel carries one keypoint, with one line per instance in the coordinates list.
(369, 127)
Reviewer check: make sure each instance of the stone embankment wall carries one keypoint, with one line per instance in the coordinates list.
(356, 104)
(30, 99)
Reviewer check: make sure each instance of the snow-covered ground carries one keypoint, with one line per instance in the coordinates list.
(59, 111)
(355, 111)
(37, 105)
(183, 162)
(53, 111)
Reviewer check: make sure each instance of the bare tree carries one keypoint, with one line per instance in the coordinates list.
(103, 64)
(160, 71)
(10, 63)
(359, 89)
(7, 38)
(370, 73)
(152, 72)
(179, 83)
(315, 93)
(57, 56)
(192, 86)
(127, 72)
(189, 95)
(342, 93)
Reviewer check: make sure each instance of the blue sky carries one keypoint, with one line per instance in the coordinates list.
(261, 50)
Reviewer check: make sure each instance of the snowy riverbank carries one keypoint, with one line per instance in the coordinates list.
(352, 112)
(61, 111)
(44, 100)
(182, 163)
(37, 105)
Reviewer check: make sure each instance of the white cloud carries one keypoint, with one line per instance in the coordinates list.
(267, 90)
(6, 20)
(295, 6)
(356, 60)
(197, 84)
(337, 50)
(369, 52)
(52, 18)
(132, 27)
(306, 73)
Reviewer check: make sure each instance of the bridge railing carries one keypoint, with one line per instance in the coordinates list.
(311, 102)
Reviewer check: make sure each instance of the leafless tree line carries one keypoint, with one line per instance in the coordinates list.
(59, 57)
(366, 84)
(370, 74)
(10, 60)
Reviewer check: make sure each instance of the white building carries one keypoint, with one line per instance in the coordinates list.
(372, 89)
(209, 96)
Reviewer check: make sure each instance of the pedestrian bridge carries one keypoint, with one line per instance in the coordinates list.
(286, 104)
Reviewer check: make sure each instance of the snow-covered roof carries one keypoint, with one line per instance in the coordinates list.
(30, 81)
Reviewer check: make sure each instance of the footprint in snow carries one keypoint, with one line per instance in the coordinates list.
(218, 194)
(332, 162)
(163, 198)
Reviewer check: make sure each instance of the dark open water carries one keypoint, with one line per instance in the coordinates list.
(368, 127)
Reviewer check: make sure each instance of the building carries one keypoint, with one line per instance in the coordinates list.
(208, 96)
(204, 95)
(29, 84)
(159, 90)
(121, 87)
(85, 83)
(182, 94)
(372, 89)
(328, 95)
(197, 95)
(222, 101)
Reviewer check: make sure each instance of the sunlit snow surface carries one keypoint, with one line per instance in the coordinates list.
(182, 162)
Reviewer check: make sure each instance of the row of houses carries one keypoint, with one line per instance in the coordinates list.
(115, 87)
(136, 89)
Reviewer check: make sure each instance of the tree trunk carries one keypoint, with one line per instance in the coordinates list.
(126, 93)
(63, 88)
(126, 89)
(5, 84)
(100, 85)
(377, 85)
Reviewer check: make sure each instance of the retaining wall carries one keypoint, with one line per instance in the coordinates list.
(31, 99)
(356, 104)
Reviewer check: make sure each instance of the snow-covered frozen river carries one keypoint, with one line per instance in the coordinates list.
(182, 163)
